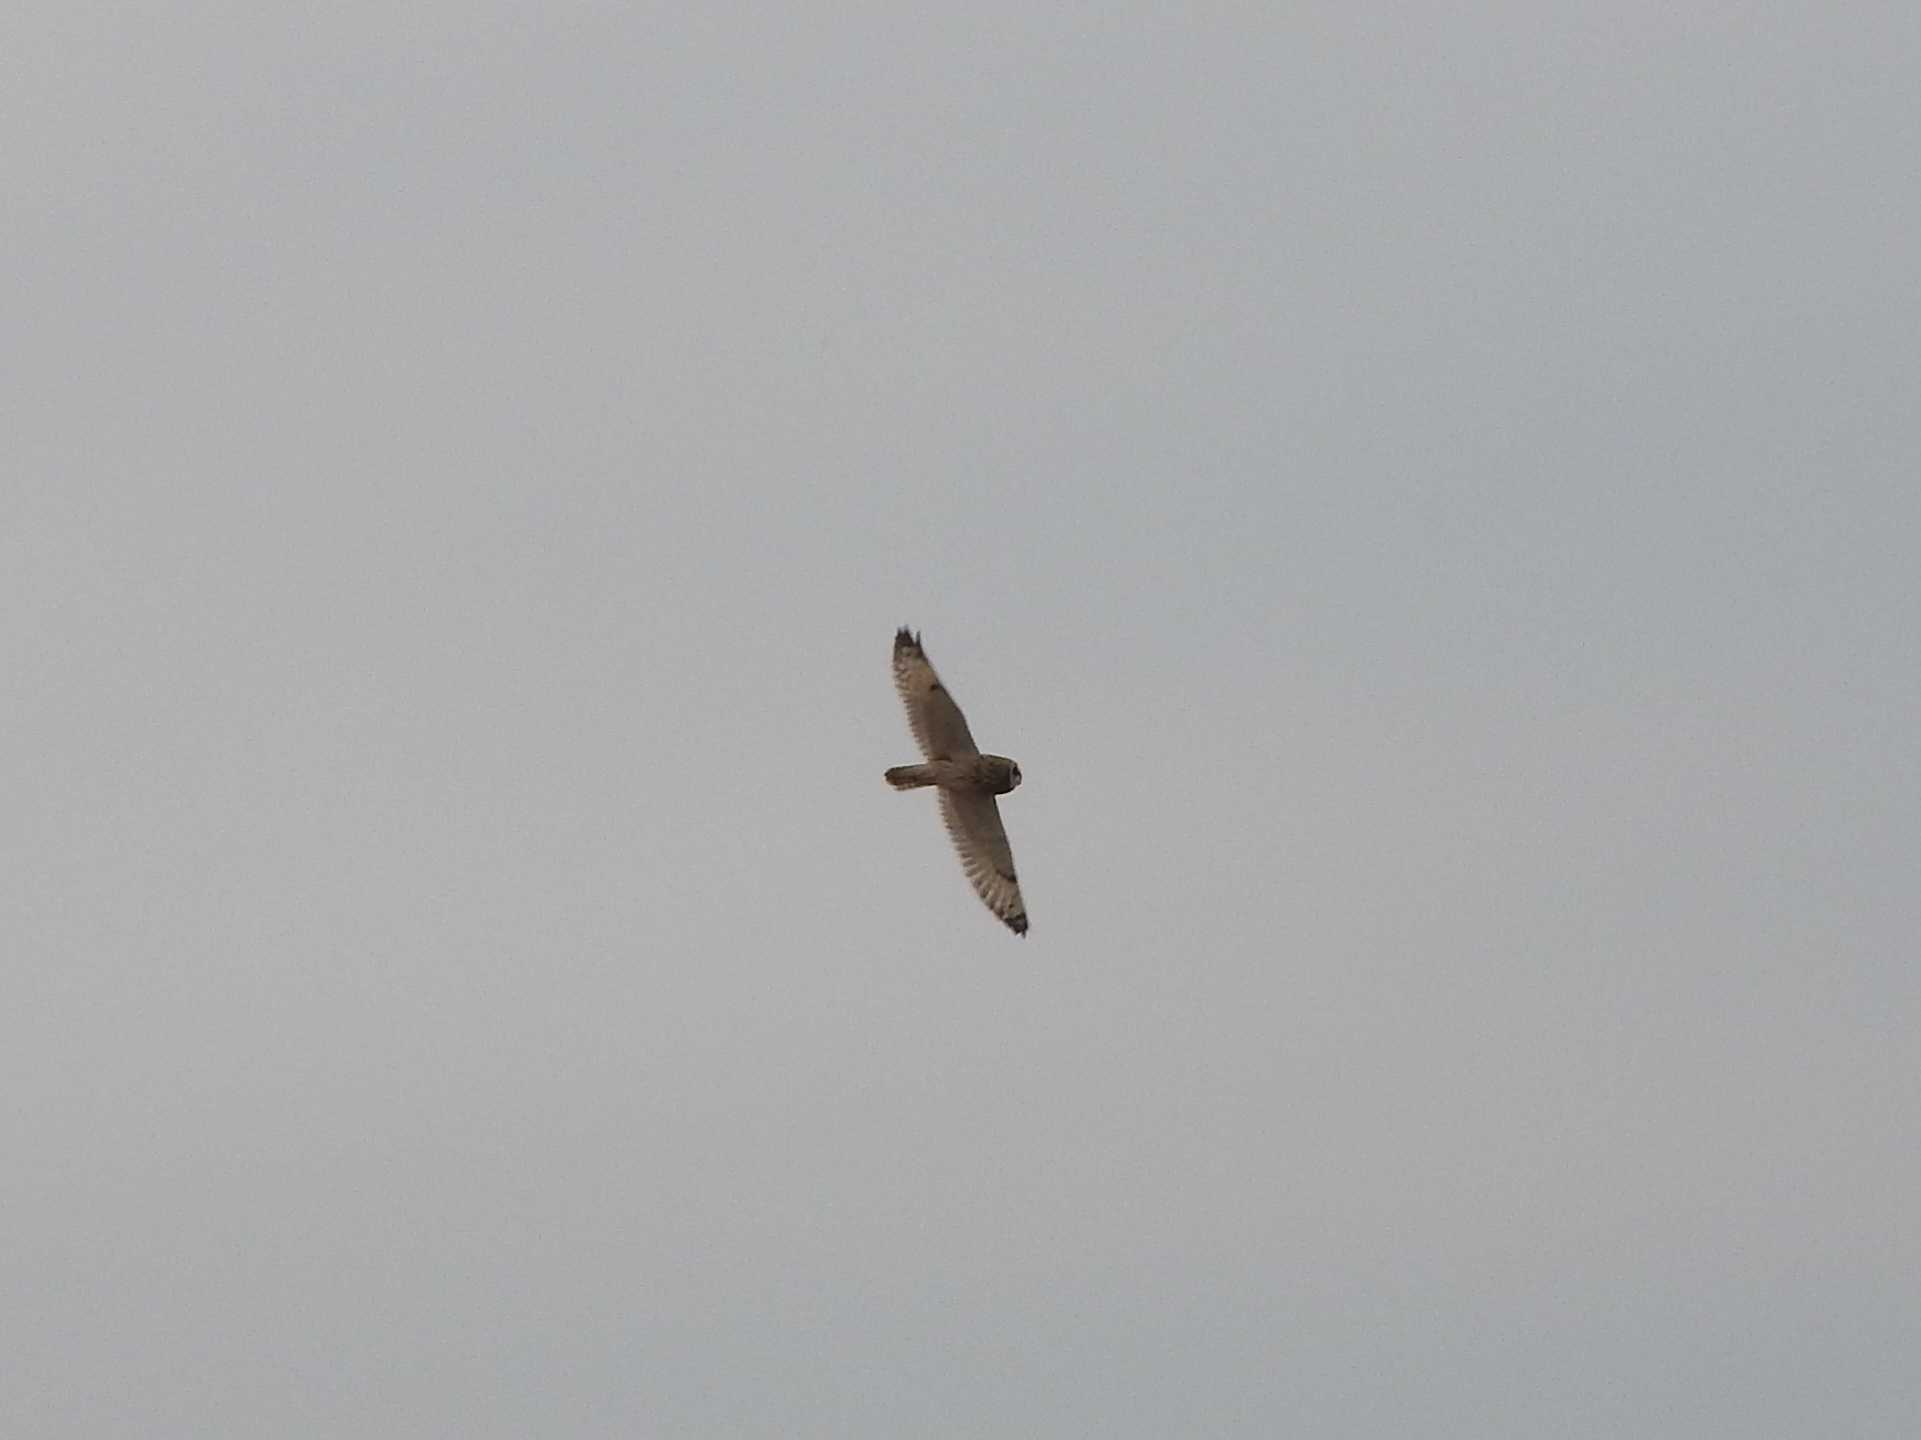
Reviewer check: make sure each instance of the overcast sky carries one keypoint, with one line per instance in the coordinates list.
(1427, 493)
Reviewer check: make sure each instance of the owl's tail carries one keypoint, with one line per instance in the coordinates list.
(908, 777)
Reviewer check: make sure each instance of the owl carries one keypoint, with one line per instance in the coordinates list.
(967, 781)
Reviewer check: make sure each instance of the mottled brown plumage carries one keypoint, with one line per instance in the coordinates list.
(967, 780)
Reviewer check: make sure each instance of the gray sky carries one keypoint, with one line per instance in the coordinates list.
(1427, 494)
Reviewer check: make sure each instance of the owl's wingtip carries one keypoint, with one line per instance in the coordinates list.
(905, 639)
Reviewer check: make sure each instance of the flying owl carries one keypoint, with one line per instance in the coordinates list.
(967, 780)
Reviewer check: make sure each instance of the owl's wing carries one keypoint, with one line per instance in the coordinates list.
(938, 725)
(973, 822)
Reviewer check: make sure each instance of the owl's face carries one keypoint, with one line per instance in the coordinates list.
(998, 774)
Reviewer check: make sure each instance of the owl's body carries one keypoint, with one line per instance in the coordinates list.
(995, 774)
(967, 781)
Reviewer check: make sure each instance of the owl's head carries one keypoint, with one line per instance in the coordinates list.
(997, 774)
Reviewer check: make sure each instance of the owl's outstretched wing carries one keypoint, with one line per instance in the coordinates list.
(938, 725)
(973, 822)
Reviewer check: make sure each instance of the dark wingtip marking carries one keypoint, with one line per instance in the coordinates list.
(905, 639)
